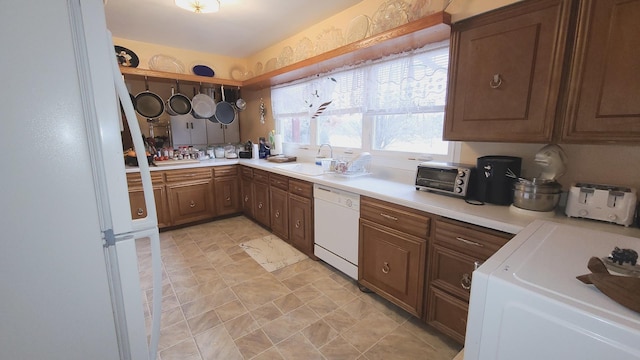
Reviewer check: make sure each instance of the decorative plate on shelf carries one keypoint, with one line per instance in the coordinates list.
(257, 68)
(304, 49)
(126, 57)
(418, 8)
(358, 28)
(166, 63)
(203, 70)
(271, 65)
(389, 15)
(328, 40)
(285, 58)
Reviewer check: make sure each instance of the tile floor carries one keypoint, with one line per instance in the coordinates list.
(218, 303)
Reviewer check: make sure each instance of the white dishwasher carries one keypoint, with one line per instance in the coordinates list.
(336, 215)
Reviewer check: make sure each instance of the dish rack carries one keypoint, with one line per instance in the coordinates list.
(351, 168)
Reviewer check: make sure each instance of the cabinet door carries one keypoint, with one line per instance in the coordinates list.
(199, 131)
(232, 132)
(505, 72)
(604, 93)
(190, 201)
(261, 204)
(215, 133)
(180, 130)
(139, 209)
(279, 213)
(301, 224)
(452, 271)
(247, 198)
(227, 195)
(392, 264)
(447, 314)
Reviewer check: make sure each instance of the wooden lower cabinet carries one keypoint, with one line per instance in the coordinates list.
(246, 176)
(455, 251)
(301, 224)
(261, 204)
(227, 190)
(447, 313)
(190, 194)
(136, 198)
(392, 264)
(279, 213)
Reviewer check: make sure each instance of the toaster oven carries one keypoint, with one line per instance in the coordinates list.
(445, 178)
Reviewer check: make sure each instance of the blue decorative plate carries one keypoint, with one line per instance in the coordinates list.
(203, 70)
(126, 57)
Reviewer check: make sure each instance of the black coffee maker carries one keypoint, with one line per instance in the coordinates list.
(495, 177)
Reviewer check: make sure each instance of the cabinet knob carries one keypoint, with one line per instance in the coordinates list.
(277, 214)
(140, 211)
(228, 198)
(246, 198)
(465, 282)
(385, 268)
(260, 206)
(496, 81)
(298, 224)
(192, 204)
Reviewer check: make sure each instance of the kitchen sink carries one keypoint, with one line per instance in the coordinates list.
(308, 169)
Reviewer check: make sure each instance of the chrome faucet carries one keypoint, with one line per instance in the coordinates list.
(330, 150)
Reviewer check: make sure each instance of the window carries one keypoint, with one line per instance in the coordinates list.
(391, 107)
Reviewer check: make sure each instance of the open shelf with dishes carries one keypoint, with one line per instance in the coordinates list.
(172, 77)
(413, 35)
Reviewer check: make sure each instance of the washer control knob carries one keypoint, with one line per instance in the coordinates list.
(612, 217)
(349, 203)
(583, 212)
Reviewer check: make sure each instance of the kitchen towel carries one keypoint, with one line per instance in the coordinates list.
(254, 151)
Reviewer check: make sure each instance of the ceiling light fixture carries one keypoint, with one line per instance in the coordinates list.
(199, 6)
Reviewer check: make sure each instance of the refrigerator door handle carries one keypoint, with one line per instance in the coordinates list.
(151, 220)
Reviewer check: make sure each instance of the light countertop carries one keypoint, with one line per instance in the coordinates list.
(503, 218)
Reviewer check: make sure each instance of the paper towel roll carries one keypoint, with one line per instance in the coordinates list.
(277, 145)
(254, 151)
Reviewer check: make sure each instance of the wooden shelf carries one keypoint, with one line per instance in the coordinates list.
(169, 77)
(413, 35)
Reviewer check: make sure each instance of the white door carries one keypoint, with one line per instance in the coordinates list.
(215, 133)
(198, 131)
(181, 130)
(232, 132)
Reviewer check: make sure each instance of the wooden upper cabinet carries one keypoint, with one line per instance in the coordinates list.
(603, 101)
(505, 73)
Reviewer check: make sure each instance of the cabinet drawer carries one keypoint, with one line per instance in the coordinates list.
(188, 174)
(447, 314)
(279, 181)
(260, 176)
(451, 271)
(469, 239)
(246, 172)
(134, 180)
(225, 171)
(398, 217)
(301, 188)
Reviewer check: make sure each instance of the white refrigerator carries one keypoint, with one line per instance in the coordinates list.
(69, 281)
